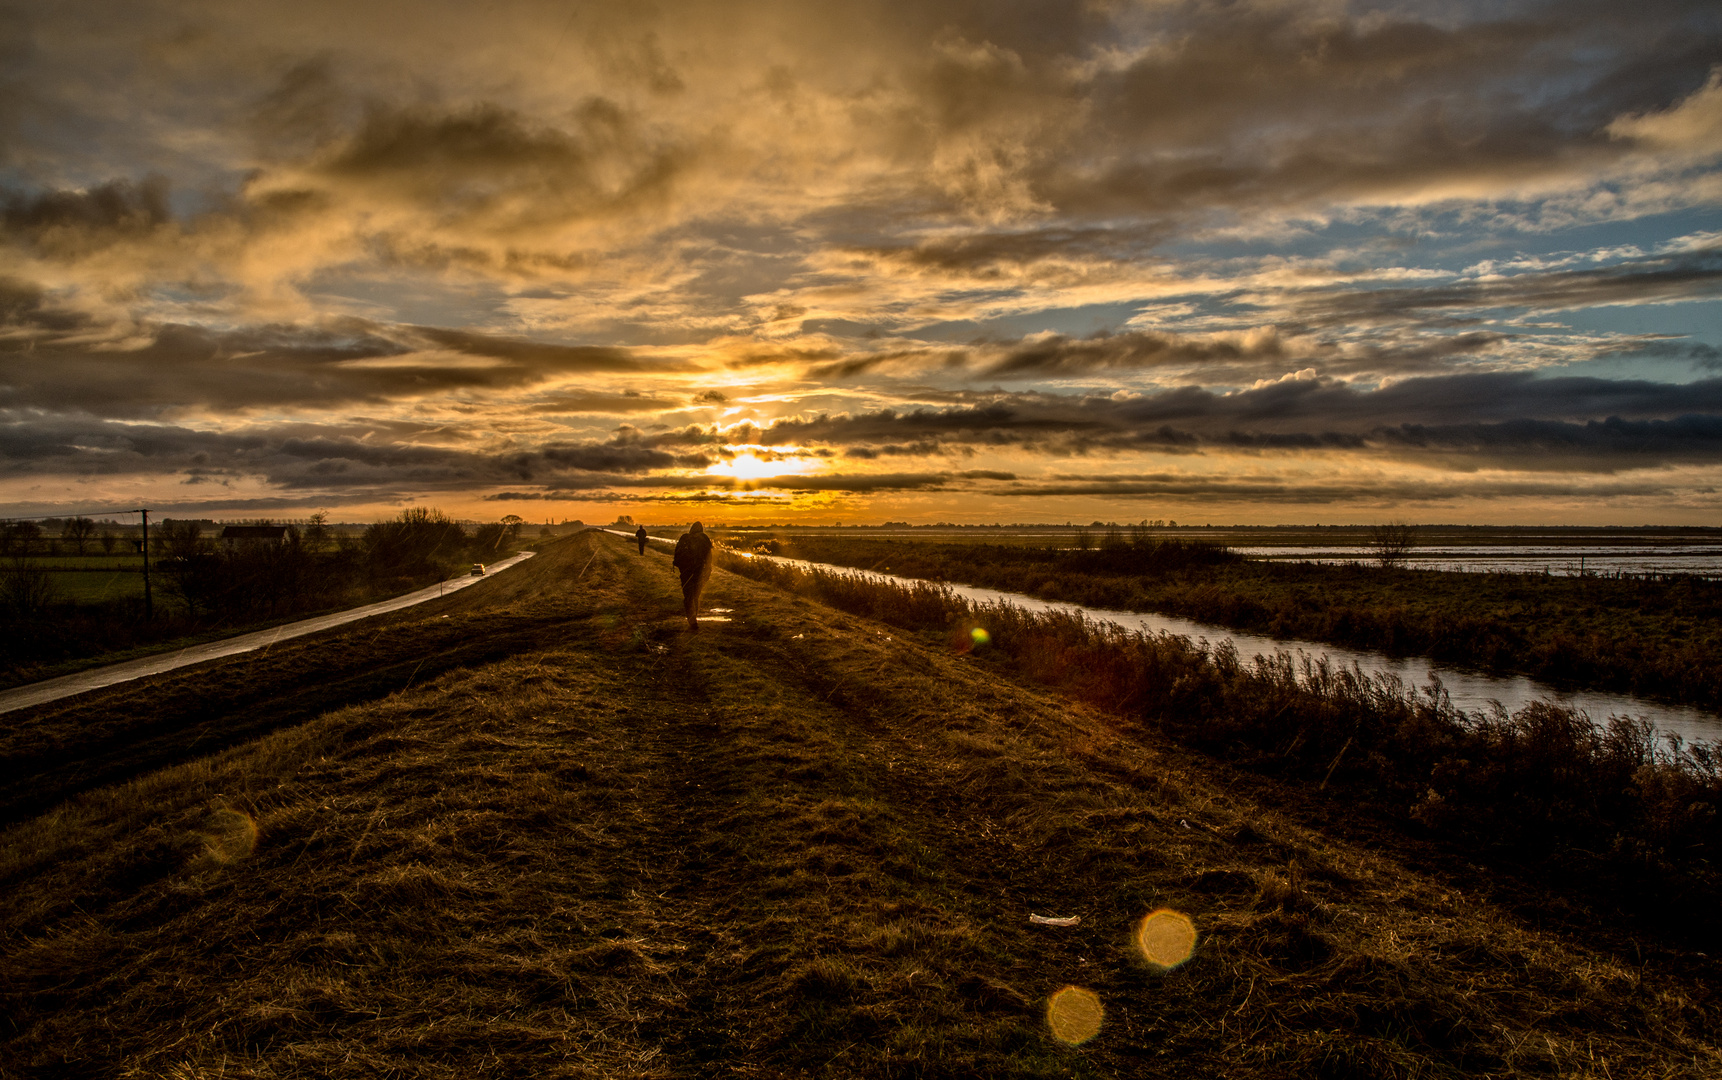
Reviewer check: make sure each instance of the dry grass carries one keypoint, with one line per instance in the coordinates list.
(1659, 636)
(793, 844)
(1610, 817)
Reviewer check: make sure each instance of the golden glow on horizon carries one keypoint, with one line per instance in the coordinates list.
(748, 466)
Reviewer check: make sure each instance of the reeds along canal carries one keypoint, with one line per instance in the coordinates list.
(1466, 690)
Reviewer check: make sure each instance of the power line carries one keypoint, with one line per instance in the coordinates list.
(143, 547)
(74, 514)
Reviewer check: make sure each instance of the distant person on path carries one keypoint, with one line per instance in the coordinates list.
(640, 538)
(694, 559)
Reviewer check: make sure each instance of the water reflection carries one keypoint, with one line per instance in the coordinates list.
(1467, 690)
(1704, 560)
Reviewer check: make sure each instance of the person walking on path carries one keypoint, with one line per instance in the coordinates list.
(694, 559)
(640, 538)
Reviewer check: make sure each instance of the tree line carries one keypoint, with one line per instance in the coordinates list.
(203, 582)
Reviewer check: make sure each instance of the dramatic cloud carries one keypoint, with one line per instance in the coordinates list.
(1502, 420)
(864, 258)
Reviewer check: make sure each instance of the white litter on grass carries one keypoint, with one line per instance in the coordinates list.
(1047, 920)
(798, 637)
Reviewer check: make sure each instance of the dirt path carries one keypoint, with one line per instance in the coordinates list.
(794, 844)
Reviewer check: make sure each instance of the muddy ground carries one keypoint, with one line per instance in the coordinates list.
(538, 829)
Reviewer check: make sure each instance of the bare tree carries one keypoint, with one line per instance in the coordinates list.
(1392, 542)
(26, 590)
(108, 540)
(78, 530)
(19, 537)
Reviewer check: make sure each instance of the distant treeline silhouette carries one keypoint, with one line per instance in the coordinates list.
(205, 583)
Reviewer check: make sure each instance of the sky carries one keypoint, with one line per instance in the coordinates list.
(944, 260)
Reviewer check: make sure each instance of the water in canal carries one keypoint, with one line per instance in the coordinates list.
(1467, 690)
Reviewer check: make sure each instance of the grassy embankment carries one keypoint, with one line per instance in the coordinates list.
(1608, 818)
(1658, 638)
(794, 844)
(62, 613)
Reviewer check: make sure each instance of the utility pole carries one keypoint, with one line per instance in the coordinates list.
(149, 606)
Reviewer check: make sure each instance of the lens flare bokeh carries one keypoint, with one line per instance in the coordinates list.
(1166, 938)
(232, 836)
(1074, 1015)
(967, 637)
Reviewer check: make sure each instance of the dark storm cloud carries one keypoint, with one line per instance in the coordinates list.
(919, 449)
(1650, 279)
(24, 308)
(718, 498)
(861, 483)
(117, 207)
(854, 366)
(1056, 355)
(493, 165)
(1594, 446)
(1269, 104)
(994, 255)
(54, 366)
(395, 457)
(531, 354)
(594, 402)
(1214, 359)
(1293, 492)
(1511, 419)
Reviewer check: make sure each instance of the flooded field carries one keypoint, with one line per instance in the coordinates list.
(1703, 559)
(1473, 549)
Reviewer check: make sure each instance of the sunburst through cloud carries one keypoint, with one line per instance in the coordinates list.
(1240, 262)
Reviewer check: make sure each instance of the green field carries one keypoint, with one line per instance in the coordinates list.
(93, 562)
(96, 586)
(93, 578)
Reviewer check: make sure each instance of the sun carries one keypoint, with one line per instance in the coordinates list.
(749, 466)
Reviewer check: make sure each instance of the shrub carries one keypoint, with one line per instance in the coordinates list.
(419, 542)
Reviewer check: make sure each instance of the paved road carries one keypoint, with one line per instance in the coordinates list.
(23, 697)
